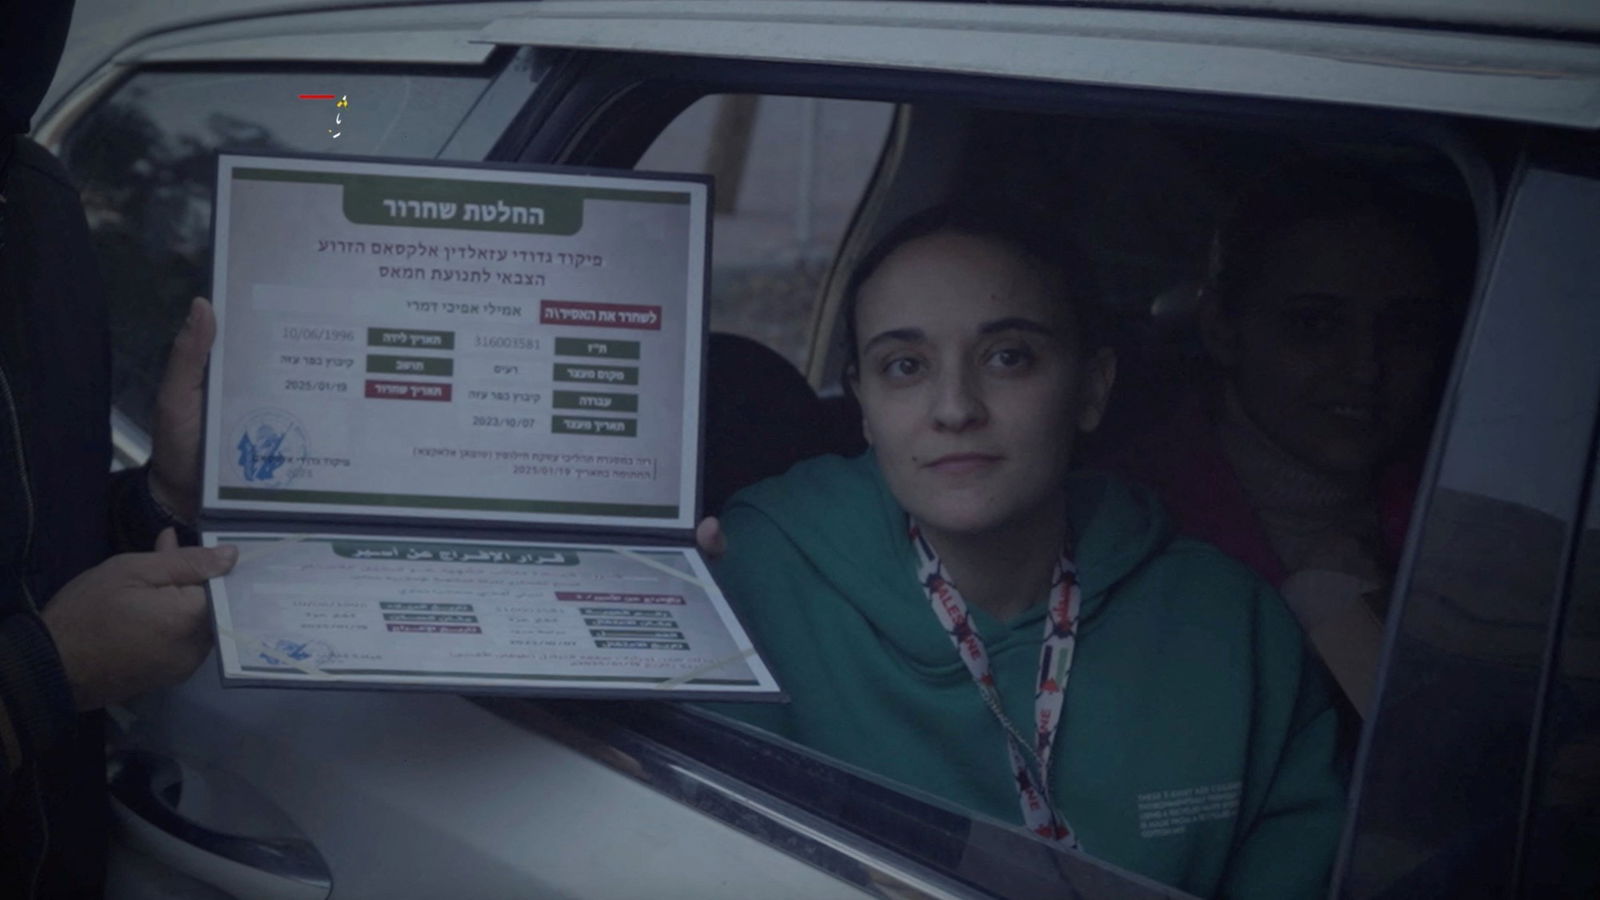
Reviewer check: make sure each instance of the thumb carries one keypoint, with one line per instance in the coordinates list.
(186, 366)
(708, 534)
(167, 539)
(185, 565)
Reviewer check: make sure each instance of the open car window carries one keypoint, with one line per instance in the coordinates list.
(1145, 196)
(790, 172)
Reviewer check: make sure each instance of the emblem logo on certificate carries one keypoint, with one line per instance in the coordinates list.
(453, 425)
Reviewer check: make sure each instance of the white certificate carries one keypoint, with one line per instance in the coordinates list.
(559, 618)
(453, 423)
(456, 342)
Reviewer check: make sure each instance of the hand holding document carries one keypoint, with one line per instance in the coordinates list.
(453, 423)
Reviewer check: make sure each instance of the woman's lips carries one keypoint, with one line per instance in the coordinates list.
(1357, 413)
(963, 463)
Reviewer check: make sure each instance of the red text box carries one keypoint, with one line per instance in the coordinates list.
(408, 390)
(599, 315)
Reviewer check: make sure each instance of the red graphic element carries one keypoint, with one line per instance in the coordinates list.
(646, 599)
(408, 390)
(317, 97)
(974, 648)
(599, 315)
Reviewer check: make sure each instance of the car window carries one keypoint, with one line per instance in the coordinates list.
(790, 172)
(1139, 209)
(144, 160)
(1440, 798)
(1562, 823)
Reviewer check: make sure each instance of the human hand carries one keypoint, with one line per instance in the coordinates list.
(708, 534)
(135, 622)
(175, 456)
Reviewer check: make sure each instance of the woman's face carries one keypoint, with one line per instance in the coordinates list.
(971, 383)
(1333, 348)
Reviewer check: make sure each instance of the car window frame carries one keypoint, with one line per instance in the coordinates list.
(628, 97)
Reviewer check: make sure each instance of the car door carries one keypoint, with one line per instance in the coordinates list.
(412, 795)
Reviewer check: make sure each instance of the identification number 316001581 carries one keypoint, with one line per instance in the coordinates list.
(504, 342)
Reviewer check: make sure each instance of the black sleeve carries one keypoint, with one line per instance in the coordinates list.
(36, 707)
(136, 516)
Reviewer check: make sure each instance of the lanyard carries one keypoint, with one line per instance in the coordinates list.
(1055, 663)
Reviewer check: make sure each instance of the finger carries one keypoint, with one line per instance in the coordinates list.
(167, 540)
(708, 534)
(185, 565)
(197, 639)
(186, 362)
(193, 343)
(193, 609)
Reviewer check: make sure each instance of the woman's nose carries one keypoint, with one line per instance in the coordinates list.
(958, 400)
(1365, 355)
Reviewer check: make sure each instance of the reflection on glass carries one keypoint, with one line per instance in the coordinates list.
(1441, 799)
(1558, 851)
(144, 160)
(790, 172)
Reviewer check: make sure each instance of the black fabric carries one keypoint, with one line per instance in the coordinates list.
(54, 349)
(56, 352)
(761, 417)
(32, 35)
(136, 516)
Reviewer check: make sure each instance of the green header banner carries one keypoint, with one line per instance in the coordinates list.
(467, 205)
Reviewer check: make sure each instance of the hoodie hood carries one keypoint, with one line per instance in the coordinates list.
(839, 514)
(32, 36)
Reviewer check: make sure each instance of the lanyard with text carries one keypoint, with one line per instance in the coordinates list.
(1055, 663)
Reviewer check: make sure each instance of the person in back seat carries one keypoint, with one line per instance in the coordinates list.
(1326, 320)
(956, 611)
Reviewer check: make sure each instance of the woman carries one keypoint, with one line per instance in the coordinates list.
(1326, 322)
(957, 612)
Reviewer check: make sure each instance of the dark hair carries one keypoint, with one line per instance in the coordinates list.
(1305, 191)
(1034, 234)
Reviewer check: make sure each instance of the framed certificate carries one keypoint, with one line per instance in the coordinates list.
(453, 421)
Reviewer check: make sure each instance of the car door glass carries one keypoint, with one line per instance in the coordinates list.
(1438, 804)
(144, 161)
(1563, 821)
(790, 172)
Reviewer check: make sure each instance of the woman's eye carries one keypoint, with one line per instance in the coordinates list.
(1411, 329)
(1313, 323)
(1010, 358)
(902, 367)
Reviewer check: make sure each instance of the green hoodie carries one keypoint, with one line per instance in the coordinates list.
(1197, 739)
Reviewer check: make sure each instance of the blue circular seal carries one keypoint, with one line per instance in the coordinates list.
(295, 653)
(272, 448)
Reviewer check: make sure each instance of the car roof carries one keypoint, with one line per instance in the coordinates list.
(1547, 52)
